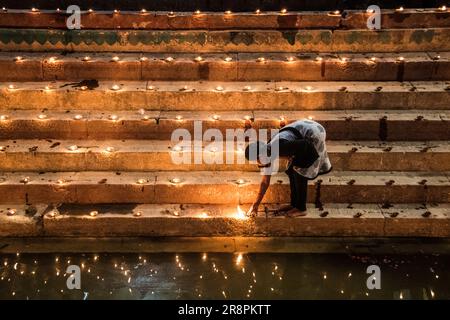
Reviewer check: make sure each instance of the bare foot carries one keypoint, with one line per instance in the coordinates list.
(285, 207)
(295, 213)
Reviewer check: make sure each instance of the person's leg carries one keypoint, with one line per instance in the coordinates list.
(291, 173)
(301, 188)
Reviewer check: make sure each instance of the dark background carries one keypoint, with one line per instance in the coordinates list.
(219, 5)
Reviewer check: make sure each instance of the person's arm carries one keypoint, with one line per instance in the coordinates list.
(265, 183)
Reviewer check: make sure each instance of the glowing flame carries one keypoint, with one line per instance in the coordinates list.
(240, 214)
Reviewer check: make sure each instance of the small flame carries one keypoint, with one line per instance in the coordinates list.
(240, 214)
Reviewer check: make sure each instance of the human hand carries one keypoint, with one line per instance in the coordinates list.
(253, 211)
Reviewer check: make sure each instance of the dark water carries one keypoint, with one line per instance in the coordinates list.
(224, 276)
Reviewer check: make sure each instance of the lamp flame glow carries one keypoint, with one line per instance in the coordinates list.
(175, 180)
(240, 214)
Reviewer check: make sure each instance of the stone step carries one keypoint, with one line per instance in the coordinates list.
(26, 66)
(346, 20)
(223, 244)
(196, 41)
(340, 125)
(372, 220)
(207, 5)
(220, 96)
(220, 187)
(156, 155)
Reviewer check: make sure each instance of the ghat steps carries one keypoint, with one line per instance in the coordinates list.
(339, 220)
(383, 125)
(220, 96)
(156, 155)
(383, 97)
(289, 66)
(218, 187)
(158, 20)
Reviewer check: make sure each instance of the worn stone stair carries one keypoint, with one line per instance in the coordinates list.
(289, 66)
(156, 155)
(196, 19)
(384, 125)
(223, 187)
(86, 118)
(400, 220)
(220, 96)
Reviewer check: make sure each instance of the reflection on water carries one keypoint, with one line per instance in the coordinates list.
(223, 276)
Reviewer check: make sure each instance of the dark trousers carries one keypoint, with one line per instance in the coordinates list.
(299, 189)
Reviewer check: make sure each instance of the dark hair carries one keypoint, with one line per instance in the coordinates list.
(253, 150)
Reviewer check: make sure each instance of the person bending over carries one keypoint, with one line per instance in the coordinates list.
(303, 144)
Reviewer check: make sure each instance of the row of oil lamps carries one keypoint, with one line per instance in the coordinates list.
(114, 117)
(94, 213)
(116, 87)
(282, 121)
(226, 59)
(229, 12)
(240, 214)
(175, 181)
(112, 149)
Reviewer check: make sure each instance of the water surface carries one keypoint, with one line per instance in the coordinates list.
(224, 276)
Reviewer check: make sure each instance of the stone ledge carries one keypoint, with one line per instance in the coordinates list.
(348, 245)
(22, 221)
(333, 220)
(410, 18)
(417, 66)
(156, 155)
(219, 96)
(393, 125)
(220, 187)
